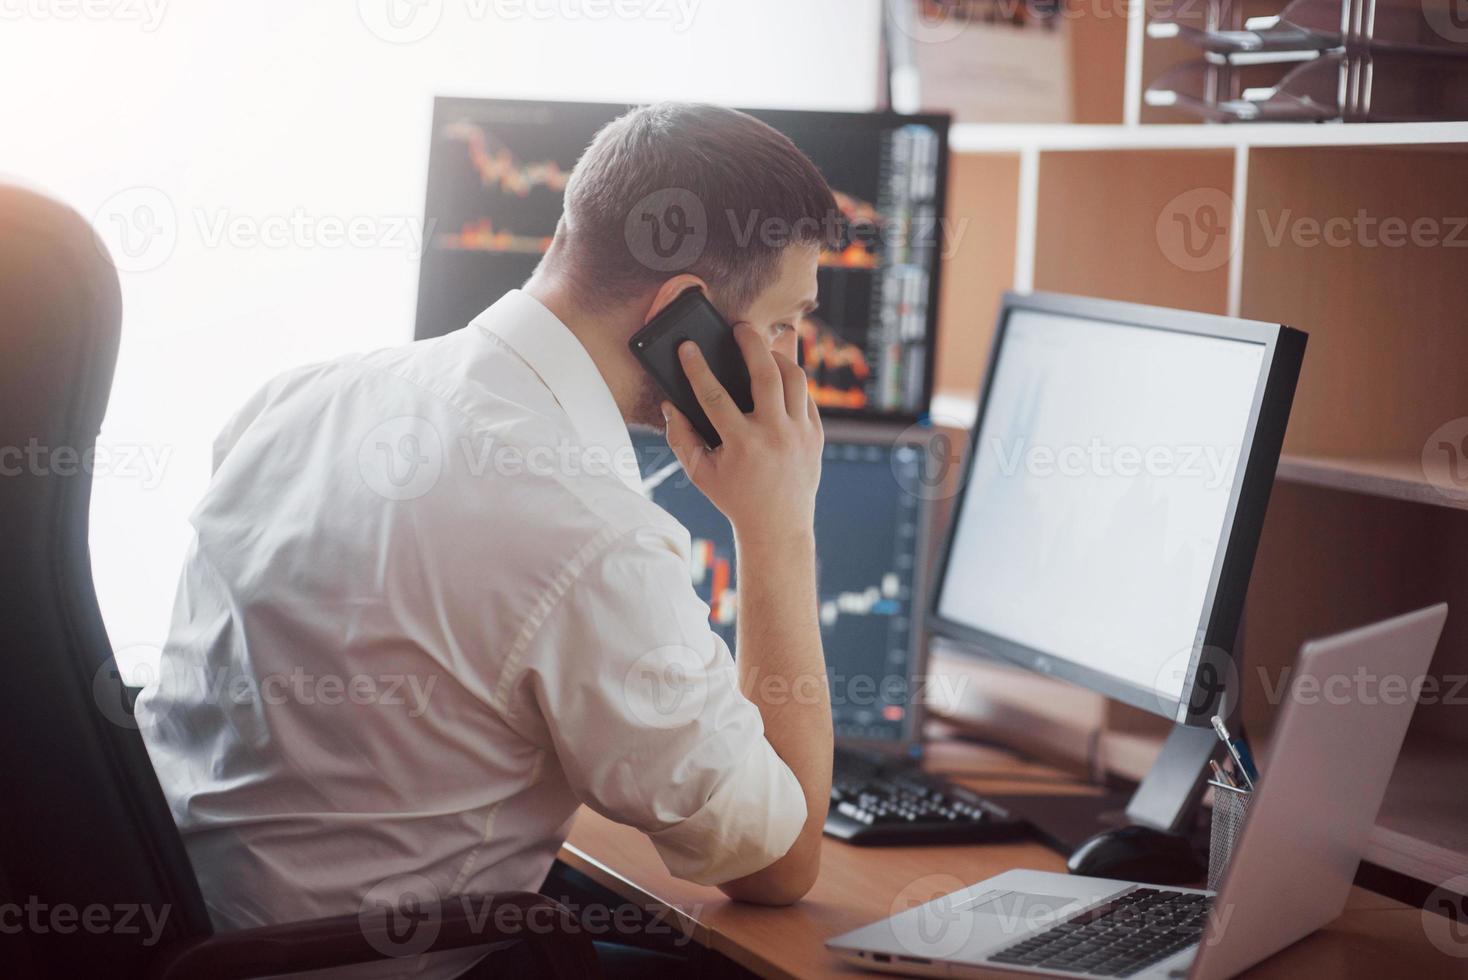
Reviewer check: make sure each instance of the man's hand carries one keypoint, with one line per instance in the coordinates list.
(764, 476)
(764, 479)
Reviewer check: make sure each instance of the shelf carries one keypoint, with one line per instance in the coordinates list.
(1393, 477)
(1421, 829)
(984, 138)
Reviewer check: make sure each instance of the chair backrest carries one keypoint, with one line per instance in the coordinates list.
(87, 845)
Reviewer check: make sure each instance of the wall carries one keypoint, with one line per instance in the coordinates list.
(224, 149)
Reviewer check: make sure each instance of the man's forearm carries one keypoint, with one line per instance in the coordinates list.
(782, 670)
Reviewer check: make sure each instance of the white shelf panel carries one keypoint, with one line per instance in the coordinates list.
(985, 138)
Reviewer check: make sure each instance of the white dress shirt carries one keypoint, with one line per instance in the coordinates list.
(427, 612)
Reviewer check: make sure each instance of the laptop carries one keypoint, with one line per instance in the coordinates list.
(1290, 874)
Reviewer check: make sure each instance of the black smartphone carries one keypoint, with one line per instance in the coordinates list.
(692, 317)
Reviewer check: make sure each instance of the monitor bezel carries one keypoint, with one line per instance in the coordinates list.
(941, 122)
(1217, 633)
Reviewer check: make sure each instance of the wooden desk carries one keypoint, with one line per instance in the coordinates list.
(1376, 937)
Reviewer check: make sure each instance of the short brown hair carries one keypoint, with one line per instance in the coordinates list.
(638, 195)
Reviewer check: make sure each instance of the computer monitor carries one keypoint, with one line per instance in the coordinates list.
(871, 535)
(497, 171)
(1117, 477)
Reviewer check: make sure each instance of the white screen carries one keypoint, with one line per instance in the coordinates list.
(1099, 490)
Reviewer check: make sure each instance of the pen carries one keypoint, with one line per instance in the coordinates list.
(1237, 751)
(1222, 776)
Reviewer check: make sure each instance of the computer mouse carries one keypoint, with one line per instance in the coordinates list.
(1136, 853)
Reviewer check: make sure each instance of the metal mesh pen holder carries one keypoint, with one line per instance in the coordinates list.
(1230, 807)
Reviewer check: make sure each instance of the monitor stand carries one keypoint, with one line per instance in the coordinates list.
(1167, 798)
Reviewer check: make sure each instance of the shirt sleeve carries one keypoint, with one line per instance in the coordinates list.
(640, 700)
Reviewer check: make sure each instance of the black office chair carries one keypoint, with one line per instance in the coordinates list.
(83, 822)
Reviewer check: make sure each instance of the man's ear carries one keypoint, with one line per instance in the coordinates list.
(670, 291)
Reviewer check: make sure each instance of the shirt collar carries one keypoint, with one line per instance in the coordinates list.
(550, 348)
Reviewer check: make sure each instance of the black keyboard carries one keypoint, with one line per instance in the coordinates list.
(877, 800)
(1117, 939)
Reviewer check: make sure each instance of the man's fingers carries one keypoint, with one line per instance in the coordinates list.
(715, 401)
(796, 391)
(764, 374)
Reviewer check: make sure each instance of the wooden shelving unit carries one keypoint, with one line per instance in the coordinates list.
(1392, 477)
(1358, 529)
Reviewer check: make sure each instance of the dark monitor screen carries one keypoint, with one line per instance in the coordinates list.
(870, 534)
(497, 171)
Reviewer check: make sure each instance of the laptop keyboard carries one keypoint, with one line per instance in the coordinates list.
(1117, 939)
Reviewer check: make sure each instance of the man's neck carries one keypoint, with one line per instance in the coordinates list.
(602, 335)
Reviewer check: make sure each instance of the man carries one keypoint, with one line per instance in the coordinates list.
(428, 610)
